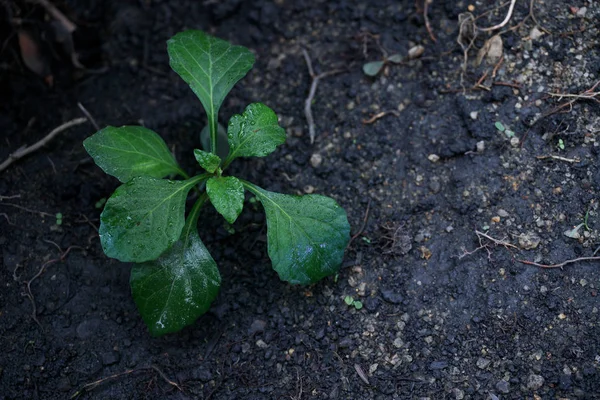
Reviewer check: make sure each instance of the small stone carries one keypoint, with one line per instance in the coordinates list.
(449, 228)
(514, 141)
(438, 365)
(316, 160)
(483, 363)
(496, 219)
(433, 158)
(398, 343)
(474, 115)
(502, 213)
(458, 393)
(480, 146)
(503, 386)
(534, 382)
(581, 12)
(535, 33)
(529, 240)
(416, 51)
(257, 326)
(308, 189)
(261, 344)
(583, 282)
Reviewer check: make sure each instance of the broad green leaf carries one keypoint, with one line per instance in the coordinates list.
(210, 66)
(144, 217)
(131, 151)
(372, 68)
(177, 288)
(207, 160)
(226, 195)
(255, 133)
(306, 235)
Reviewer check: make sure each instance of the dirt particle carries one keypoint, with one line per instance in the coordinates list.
(316, 160)
(529, 240)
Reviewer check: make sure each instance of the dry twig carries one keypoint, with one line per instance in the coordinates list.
(311, 94)
(29, 293)
(362, 227)
(380, 115)
(482, 245)
(88, 115)
(560, 265)
(426, 18)
(559, 158)
(92, 385)
(501, 24)
(23, 151)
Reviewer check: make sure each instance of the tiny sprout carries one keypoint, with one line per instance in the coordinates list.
(59, 219)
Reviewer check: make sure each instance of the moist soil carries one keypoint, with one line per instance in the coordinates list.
(470, 170)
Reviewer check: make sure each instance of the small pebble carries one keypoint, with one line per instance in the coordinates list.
(534, 382)
(433, 157)
(316, 160)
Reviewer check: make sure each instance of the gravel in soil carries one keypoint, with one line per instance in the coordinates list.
(470, 170)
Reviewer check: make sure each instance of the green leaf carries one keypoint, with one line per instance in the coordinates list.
(177, 288)
(226, 195)
(210, 66)
(131, 151)
(372, 68)
(348, 300)
(306, 235)
(144, 217)
(207, 160)
(255, 133)
(395, 58)
(499, 126)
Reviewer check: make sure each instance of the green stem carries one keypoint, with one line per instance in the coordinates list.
(212, 124)
(192, 220)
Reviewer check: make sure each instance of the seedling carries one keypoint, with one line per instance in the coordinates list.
(560, 144)
(374, 67)
(354, 303)
(175, 279)
(501, 128)
(59, 219)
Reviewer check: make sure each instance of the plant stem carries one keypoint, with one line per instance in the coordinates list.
(212, 124)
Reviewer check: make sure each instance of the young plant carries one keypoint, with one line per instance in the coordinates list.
(373, 68)
(175, 278)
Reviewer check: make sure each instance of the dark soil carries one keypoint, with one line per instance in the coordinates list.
(437, 322)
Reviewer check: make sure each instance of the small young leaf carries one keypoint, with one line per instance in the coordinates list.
(210, 66)
(144, 217)
(395, 58)
(207, 160)
(372, 68)
(499, 126)
(306, 235)
(255, 133)
(348, 300)
(177, 288)
(226, 195)
(131, 151)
